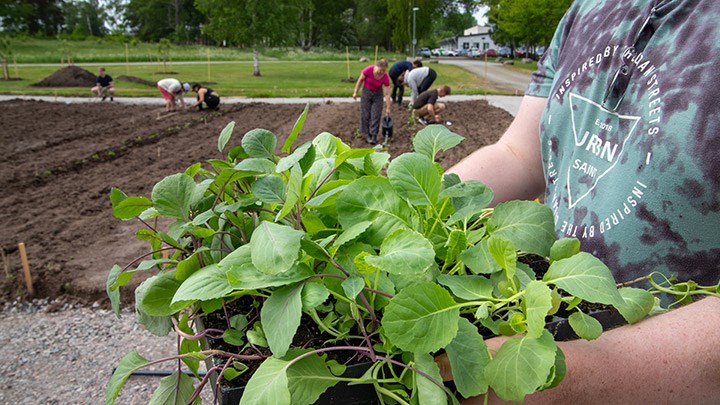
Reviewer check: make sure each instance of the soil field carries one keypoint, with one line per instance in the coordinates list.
(60, 161)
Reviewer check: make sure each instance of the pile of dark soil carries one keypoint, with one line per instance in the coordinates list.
(134, 79)
(70, 76)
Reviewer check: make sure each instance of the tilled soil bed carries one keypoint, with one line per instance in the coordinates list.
(60, 161)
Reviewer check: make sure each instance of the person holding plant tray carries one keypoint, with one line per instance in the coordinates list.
(375, 84)
(618, 131)
(172, 91)
(207, 96)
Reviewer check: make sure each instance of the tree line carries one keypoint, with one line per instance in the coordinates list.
(271, 23)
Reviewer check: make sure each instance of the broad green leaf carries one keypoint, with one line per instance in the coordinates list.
(313, 295)
(208, 283)
(234, 337)
(528, 224)
(225, 135)
(280, 318)
(324, 200)
(116, 196)
(129, 364)
(373, 164)
(274, 248)
(538, 302)
(557, 372)
(353, 286)
(268, 385)
(352, 154)
(456, 243)
(479, 260)
(351, 233)
(468, 358)
(504, 253)
(291, 160)
(255, 165)
(428, 391)
(313, 249)
(564, 248)
(404, 252)
(433, 139)
(326, 146)
(294, 192)
(156, 294)
(157, 325)
(185, 268)
(269, 189)
(172, 196)
(176, 389)
(287, 146)
(469, 193)
(131, 207)
(373, 199)
(470, 288)
(585, 277)
(243, 275)
(414, 176)
(149, 264)
(422, 317)
(308, 378)
(114, 293)
(259, 143)
(521, 366)
(637, 304)
(585, 325)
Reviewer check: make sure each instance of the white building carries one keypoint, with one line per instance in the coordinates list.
(476, 37)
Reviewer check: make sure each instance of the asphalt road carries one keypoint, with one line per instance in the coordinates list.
(495, 74)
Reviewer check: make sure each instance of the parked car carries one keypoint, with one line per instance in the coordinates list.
(474, 52)
(451, 53)
(490, 53)
(462, 52)
(504, 52)
(424, 52)
(520, 52)
(437, 52)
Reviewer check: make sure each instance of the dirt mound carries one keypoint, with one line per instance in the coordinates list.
(70, 76)
(134, 79)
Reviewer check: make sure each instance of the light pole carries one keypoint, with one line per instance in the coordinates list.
(414, 41)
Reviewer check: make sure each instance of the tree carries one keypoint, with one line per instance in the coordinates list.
(247, 22)
(155, 19)
(6, 52)
(35, 17)
(529, 22)
(85, 18)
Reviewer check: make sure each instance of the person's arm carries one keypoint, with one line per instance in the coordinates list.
(431, 112)
(388, 103)
(358, 84)
(671, 358)
(201, 97)
(512, 167)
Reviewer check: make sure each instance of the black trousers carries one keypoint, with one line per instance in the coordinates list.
(397, 91)
(428, 81)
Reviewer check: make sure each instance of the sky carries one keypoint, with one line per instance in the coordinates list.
(480, 15)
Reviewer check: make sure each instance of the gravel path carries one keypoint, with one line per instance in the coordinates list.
(58, 353)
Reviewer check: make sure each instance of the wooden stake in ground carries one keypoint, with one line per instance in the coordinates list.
(376, 50)
(127, 60)
(17, 76)
(208, 53)
(347, 58)
(26, 268)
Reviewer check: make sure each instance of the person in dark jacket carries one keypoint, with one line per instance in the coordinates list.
(397, 74)
(205, 95)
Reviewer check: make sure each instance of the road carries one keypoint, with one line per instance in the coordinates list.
(497, 75)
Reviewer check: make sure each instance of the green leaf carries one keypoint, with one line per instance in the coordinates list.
(177, 389)
(352, 154)
(373, 199)
(292, 159)
(308, 379)
(470, 288)
(274, 248)
(564, 248)
(422, 317)
(428, 391)
(157, 325)
(268, 385)
(504, 252)
(528, 224)
(172, 196)
(116, 196)
(469, 193)
(415, 177)
(225, 135)
(131, 207)
(521, 366)
(468, 358)
(208, 283)
(294, 191)
(326, 145)
(287, 146)
(255, 165)
(313, 295)
(433, 139)
(637, 304)
(585, 325)
(351, 233)
(373, 164)
(114, 293)
(479, 260)
(243, 275)
(156, 293)
(353, 286)
(269, 189)
(259, 143)
(404, 252)
(128, 365)
(538, 302)
(585, 277)
(280, 317)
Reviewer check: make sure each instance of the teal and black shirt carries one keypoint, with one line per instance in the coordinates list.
(630, 137)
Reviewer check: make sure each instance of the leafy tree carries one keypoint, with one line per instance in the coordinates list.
(85, 18)
(6, 52)
(35, 17)
(155, 19)
(248, 23)
(529, 22)
(401, 14)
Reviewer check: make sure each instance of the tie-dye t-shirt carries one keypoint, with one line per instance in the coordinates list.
(630, 137)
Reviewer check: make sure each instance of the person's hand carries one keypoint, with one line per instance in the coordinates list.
(436, 118)
(355, 95)
(387, 111)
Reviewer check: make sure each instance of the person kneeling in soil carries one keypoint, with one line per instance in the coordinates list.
(205, 95)
(427, 108)
(104, 85)
(172, 91)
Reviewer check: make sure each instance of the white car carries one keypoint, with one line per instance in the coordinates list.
(451, 53)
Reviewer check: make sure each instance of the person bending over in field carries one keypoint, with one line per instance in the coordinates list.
(207, 96)
(426, 107)
(172, 91)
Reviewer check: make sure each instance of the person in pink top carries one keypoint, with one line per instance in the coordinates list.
(375, 84)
